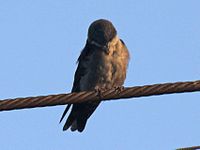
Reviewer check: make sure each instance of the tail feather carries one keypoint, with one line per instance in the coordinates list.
(81, 124)
(69, 121)
(78, 116)
(76, 121)
(74, 126)
(64, 113)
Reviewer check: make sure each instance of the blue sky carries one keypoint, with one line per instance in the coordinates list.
(40, 43)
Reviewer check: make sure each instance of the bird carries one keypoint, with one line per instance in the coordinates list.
(102, 64)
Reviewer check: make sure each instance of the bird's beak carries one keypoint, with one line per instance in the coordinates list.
(106, 48)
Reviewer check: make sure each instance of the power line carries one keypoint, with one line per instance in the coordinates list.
(112, 94)
(189, 148)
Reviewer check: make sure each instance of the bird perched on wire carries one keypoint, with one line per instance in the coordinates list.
(102, 64)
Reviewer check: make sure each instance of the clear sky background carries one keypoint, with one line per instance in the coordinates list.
(40, 41)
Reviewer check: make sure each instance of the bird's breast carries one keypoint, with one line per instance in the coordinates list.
(105, 70)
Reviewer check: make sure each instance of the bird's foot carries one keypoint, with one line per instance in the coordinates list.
(99, 91)
(119, 89)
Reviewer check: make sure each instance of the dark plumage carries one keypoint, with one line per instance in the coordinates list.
(101, 31)
(102, 64)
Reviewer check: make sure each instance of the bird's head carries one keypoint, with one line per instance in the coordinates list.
(100, 33)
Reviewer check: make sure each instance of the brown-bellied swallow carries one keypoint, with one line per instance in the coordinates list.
(102, 64)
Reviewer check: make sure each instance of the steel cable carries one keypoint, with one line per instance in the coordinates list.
(112, 94)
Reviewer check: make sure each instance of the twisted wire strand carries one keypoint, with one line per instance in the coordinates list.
(189, 148)
(112, 94)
